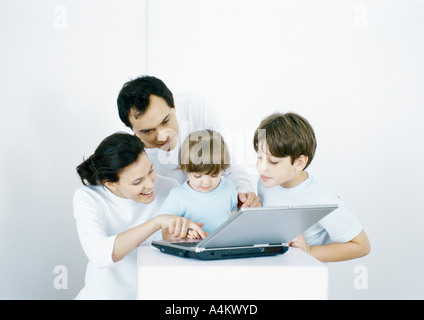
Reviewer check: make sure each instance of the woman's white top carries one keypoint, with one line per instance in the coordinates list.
(100, 216)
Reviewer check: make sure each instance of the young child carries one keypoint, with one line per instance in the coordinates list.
(207, 196)
(285, 144)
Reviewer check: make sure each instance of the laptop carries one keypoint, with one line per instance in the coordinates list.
(251, 232)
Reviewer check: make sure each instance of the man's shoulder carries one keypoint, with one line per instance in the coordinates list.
(188, 100)
(189, 106)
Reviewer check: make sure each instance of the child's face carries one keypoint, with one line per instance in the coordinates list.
(203, 182)
(136, 182)
(276, 171)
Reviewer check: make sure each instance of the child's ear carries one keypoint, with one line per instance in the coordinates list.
(301, 163)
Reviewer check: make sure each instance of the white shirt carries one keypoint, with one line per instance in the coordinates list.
(100, 217)
(192, 115)
(339, 226)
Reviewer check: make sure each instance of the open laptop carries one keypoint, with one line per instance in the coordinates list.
(251, 232)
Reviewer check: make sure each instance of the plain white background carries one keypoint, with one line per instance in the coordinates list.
(353, 68)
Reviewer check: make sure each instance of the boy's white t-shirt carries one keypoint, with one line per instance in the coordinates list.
(100, 216)
(192, 115)
(339, 226)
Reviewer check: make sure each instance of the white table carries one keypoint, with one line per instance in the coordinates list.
(293, 275)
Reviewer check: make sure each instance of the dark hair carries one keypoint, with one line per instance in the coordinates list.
(204, 151)
(114, 153)
(136, 94)
(287, 134)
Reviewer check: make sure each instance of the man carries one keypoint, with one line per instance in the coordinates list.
(147, 106)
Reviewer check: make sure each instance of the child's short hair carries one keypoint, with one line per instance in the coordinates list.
(287, 134)
(204, 151)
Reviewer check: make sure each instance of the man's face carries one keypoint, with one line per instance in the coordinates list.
(157, 127)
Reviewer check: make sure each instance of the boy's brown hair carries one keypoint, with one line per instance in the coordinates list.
(287, 134)
(204, 151)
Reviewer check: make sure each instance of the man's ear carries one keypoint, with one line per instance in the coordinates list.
(301, 162)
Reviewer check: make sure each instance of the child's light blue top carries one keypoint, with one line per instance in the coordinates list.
(212, 208)
(339, 226)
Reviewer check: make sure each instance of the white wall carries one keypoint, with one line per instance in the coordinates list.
(62, 65)
(353, 68)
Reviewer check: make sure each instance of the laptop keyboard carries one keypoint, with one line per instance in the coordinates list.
(186, 244)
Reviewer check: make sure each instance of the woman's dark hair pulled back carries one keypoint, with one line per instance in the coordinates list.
(113, 154)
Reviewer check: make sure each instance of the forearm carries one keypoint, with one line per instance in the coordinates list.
(356, 248)
(336, 252)
(128, 240)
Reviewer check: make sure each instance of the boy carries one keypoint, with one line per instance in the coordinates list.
(285, 144)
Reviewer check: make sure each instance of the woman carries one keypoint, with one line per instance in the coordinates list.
(116, 211)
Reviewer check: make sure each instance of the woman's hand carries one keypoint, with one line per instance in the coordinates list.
(174, 227)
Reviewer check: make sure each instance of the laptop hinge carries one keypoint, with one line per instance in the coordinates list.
(271, 244)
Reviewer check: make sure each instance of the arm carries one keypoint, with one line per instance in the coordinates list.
(355, 248)
(104, 250)
(172, 206)
(177, 227)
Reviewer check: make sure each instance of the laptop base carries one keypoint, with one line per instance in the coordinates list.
(225, 253)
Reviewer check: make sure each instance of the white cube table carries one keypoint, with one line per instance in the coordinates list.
(293, 275)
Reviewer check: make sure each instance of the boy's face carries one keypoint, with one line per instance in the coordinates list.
(203, 182)
(136, 181)
(157, 127)
(276, 171)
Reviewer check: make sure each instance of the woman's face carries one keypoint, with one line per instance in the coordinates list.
(136, 181)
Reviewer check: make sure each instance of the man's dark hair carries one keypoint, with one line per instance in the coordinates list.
(136, 94)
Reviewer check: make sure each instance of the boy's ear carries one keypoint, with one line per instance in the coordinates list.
(300, 163)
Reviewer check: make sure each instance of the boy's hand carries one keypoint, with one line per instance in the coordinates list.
(300, 242)
(249, 199)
